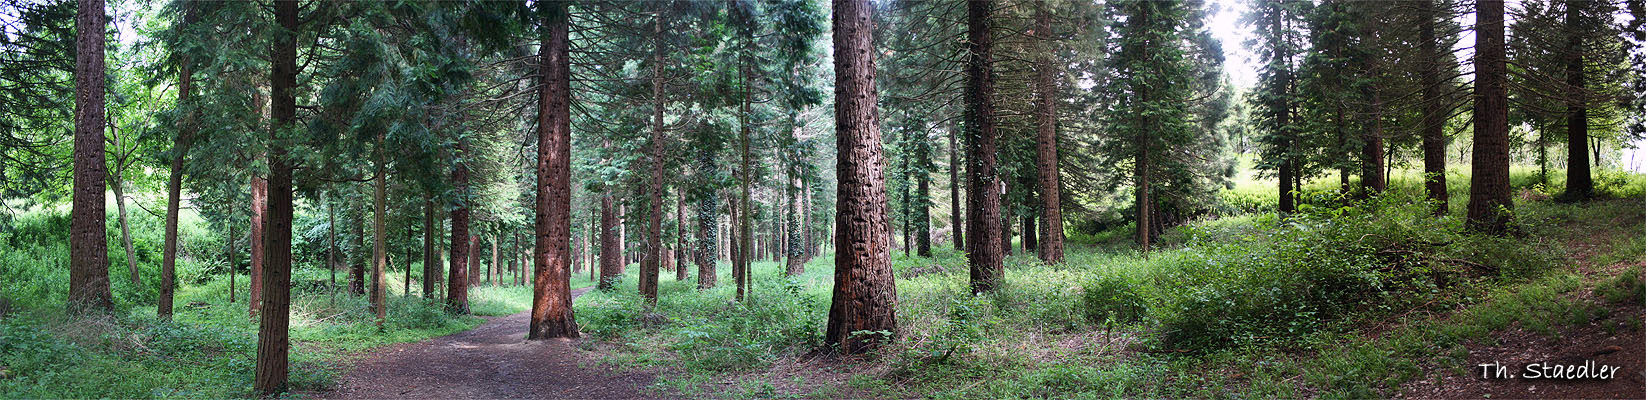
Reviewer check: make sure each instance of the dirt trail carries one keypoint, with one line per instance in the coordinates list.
(492, 361)
(1613, 339)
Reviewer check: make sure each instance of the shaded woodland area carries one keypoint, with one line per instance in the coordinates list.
(843, 199)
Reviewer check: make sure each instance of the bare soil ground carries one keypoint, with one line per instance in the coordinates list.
(492, 361)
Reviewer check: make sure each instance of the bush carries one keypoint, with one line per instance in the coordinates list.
(1113, 299)
(1324, 265)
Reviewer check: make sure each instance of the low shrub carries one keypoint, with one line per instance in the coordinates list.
(1113, 299)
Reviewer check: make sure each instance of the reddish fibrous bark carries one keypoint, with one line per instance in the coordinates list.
(865, 294)
(1489, 202)
(983, 233)
(88, 242)
(1050, 237)
(551, 282)
(272, 344)
(457, 279)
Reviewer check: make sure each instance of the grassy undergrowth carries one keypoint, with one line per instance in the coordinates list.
(1344, 300)
(208, 350)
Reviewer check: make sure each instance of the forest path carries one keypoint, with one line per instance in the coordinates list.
(1610, 339)
(492, 361)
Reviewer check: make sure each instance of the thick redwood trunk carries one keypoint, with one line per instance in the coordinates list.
(551, 281)
(1050, 243)
(865, 294)
(983, 233)
(1489, 202)
(457, 279)
(272, 345)
(88, 241)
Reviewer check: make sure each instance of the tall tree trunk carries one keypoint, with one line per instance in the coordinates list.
(796, 262)
(1030, 236)
(496, 268)
(597, 234)
(174, 183)
(259, 210)
(1371, 151)
(983, 232)
(119, 188)
(1005, 218)
(1050, 244)
(1141, 175)
(650, 263)
(865, 294)
(272, 345)
(923, 203)
(474, 260)
(744, 222)
(611, 253)
(405, 289)
(551, 281)
(905, 193)
(731, 246)
(958, 237)
(380, 237)
(1288, 169)
(88, 241)
(457, 278)
(680, 235)
(331, 248)
(228, 240)
(430, 269)
(1579, 183)
(1489, 201)
(708, 211)
(1434, 110)
(358, 260)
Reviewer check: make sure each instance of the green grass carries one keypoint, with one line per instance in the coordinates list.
(208, 350)
(1244, 306)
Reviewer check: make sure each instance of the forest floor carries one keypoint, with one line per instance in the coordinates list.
(492, 361)
(1603, 341)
